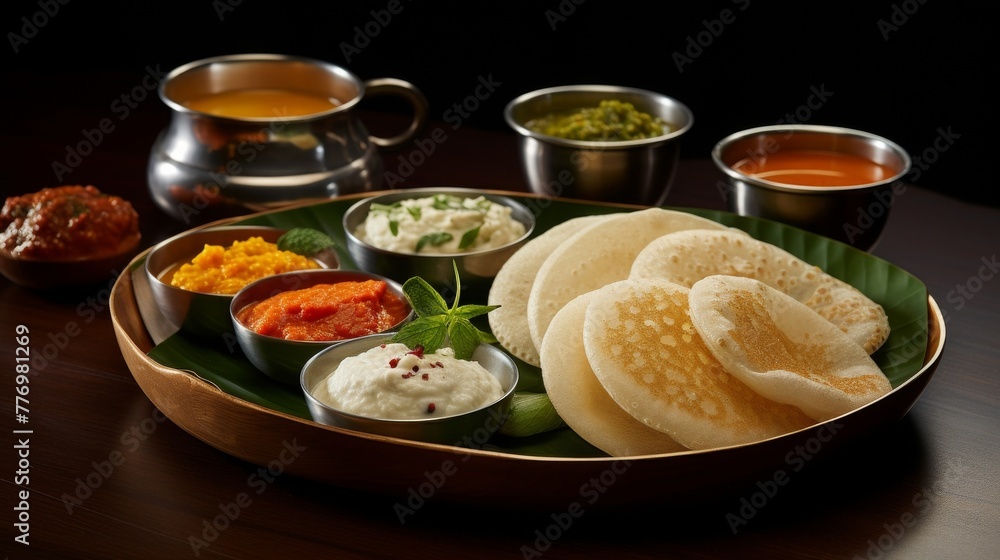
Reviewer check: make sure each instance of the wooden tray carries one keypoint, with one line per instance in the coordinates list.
(418, 472)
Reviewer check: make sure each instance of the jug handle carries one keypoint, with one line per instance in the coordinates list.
(412, 95)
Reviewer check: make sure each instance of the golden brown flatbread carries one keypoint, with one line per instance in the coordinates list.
(582, 401)
(688, 256)
(597, 255)
(646, 353)
(782, 349)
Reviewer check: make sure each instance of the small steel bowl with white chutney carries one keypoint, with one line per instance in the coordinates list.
(476, 268)
(474, 427)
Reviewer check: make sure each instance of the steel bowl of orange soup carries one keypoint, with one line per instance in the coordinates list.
(283, 320)
(834, 181)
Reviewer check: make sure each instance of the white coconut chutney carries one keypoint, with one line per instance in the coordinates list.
(393, 382)
(440, 224)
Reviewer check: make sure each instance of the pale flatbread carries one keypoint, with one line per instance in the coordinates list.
(582, 401)
(688, 256)
(597, 255)
(646, 353)
(782, 349)
(512, 284)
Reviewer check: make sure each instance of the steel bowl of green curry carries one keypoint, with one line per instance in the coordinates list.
(599, 142)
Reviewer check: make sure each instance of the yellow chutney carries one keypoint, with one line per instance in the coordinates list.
(225, 270)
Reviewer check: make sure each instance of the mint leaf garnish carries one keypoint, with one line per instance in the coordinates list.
(376, 207)
(305, 241)
(428, 332)
(433, 239)
(437, 324)
(473, 310)
(469, 238)
(464, 337)
(424, 299)
(443, 202)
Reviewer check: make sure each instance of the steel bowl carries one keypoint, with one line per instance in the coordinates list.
(476, 269)
(197, 313)
(632, 171)
(853, 214)
(282, 359)
(471, 428)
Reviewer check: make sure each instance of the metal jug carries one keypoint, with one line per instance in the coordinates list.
(204, 164)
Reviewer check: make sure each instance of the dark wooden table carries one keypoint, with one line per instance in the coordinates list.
(104, 475)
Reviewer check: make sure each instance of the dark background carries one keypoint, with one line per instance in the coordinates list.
(910, 71)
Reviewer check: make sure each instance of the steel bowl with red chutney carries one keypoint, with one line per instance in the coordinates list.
(283, 320)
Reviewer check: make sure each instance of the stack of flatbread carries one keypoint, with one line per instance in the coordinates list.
(658, 331)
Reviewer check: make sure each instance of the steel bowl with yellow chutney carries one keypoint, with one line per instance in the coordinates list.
(194, 276)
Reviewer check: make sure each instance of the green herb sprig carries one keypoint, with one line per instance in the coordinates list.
(438, 325)
(305, 241)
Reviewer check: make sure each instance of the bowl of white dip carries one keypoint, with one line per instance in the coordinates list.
(373, 385)
(420, 232)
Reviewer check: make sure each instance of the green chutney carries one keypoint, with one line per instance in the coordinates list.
(611, 120)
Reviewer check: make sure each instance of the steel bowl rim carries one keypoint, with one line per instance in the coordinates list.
(260, 57)
(827, 130)
(600, 145)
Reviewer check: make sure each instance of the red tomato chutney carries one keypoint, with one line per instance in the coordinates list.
(327, 312)
(815, 168)
(66, 223)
